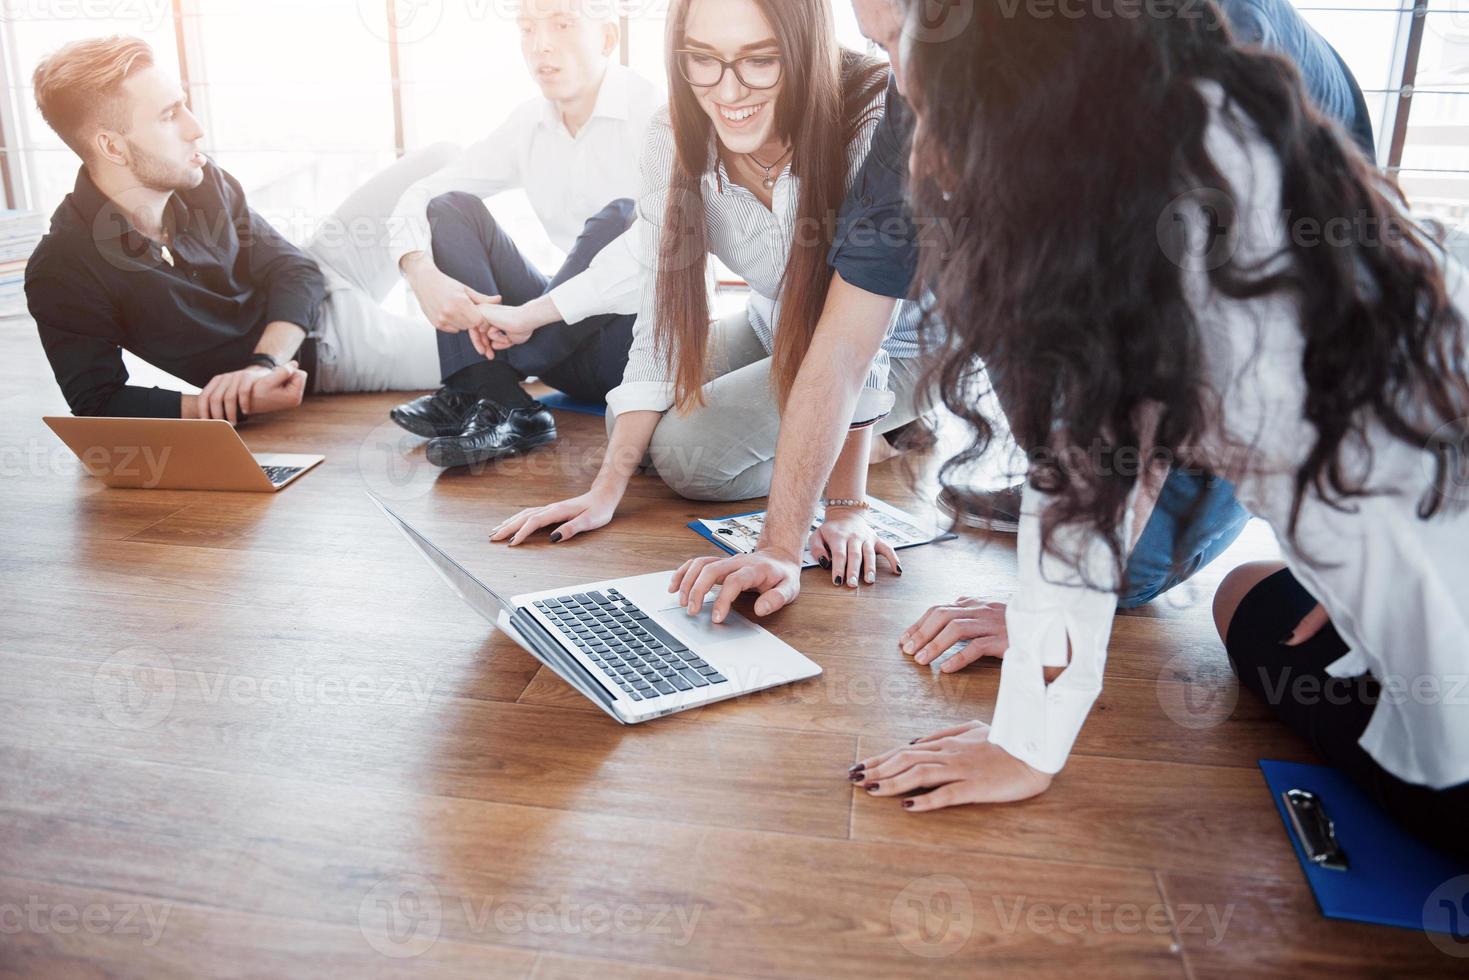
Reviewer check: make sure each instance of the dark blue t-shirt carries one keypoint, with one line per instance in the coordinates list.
(877, 239)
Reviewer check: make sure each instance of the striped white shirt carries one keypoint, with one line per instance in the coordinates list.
(755, 243)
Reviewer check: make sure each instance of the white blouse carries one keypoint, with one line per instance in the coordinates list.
(1396, 587)
(755, 242)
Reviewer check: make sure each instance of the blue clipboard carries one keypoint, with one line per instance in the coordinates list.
(1393, 879)
(563, 403)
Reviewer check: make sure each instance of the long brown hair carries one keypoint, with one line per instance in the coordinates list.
(825, 100)
(1072, 293)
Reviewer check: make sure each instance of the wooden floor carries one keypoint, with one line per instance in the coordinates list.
(250, 735)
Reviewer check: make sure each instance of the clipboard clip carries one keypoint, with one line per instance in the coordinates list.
(1314, 829)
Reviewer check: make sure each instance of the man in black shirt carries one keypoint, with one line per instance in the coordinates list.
(157, 252)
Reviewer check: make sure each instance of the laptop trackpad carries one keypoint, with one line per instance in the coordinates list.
(700, 630)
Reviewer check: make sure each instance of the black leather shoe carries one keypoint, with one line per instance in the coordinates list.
(492, 432)
(444, 413)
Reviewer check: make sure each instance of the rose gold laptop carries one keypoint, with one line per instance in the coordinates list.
(175, 454)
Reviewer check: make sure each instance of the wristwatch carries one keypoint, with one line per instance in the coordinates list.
(263, 360)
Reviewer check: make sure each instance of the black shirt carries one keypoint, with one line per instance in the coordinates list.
(96, 287)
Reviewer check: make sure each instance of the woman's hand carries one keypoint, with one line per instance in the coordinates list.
(959, 765)
(588, 512)
(979, 623)
(847, 545)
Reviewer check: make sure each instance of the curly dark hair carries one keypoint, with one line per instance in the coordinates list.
(1063, 139)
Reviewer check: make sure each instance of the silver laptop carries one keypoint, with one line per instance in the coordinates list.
(626, 644)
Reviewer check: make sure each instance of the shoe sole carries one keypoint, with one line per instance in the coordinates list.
(449, 460)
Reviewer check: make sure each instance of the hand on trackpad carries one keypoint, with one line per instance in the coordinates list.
(701, 629)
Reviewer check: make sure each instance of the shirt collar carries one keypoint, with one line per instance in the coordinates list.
(110, 222)
(613, 99)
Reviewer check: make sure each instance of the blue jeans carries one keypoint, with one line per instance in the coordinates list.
(586, 359)
(1195, 520)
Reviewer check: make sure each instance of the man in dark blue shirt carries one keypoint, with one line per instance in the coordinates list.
(875, 255)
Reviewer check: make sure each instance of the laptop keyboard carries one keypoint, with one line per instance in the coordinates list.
(280, 474)
(637, 654)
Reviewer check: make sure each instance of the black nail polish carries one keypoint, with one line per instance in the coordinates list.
(907, 804)
(857, 768)
(556, 537)
(900, 569)
(856, 777)
(915, 741)
(1285, 640)
(824, 563)
(870, 787)
(839, 580)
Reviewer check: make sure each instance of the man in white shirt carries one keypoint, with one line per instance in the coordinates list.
(573, 151)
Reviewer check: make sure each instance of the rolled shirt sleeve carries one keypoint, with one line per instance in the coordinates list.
(612, 284)
(1061, 616)
(646, 386)
(294, 286)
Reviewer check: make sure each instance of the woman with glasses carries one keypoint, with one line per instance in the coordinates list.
(1221, 281)
(768, 123)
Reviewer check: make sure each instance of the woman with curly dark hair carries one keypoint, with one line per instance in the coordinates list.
(1165, 256)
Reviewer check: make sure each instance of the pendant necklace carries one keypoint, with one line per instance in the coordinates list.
(769, 180)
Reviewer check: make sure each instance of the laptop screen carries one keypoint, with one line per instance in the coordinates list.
(483, 599)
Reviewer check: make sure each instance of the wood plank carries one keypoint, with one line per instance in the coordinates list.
(86, 932)
(375, 728)
(1108, 811)
(683, 897)
(897, 700)
(1273, 928)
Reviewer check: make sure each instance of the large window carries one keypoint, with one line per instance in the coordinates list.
(303, 100)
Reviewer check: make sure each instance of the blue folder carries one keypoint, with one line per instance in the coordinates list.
(556, 400)
(1391, 875)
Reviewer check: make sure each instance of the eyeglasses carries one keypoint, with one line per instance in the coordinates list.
(704, 70)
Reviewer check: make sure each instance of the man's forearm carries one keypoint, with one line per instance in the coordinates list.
(812, 433)
(815, 426)
(281, 341)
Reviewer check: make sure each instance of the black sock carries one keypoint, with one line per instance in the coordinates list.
(495, 380)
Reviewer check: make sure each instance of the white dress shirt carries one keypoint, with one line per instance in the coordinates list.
(567, 178)
(755, 243)
(1396, 587)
